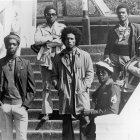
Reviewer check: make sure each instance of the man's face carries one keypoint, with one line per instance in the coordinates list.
(11, 47)
(103, 75)
(122, 14)
(70, 41)
(51, 16)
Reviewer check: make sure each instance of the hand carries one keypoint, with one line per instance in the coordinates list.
(54, 83)
(107, 60)
(26, 108)
(86, 112)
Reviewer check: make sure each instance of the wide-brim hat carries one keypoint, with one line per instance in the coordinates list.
(105, 65)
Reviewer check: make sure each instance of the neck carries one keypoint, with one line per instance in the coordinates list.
(50, 24)
(71, 49)
(124, 23)
(11, 56)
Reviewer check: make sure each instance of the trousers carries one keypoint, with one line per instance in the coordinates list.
(14, 116)
(86, 126)
(47, 105)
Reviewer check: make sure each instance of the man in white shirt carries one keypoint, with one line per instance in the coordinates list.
(48, 36)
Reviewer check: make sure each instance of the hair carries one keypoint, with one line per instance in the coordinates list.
(123, 5)
(48, 7)
(72, 30)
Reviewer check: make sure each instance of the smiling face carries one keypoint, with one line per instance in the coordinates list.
(11, 47)
(51, 16)
(103, 75)
(70, 41)
(122, 14)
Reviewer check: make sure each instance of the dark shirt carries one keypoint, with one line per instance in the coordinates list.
(12, 94)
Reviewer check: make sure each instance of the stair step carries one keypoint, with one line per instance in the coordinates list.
(50, 125)
(46, 135)
(39, 85)
(97, 48)
(94, 56)
(54, 93)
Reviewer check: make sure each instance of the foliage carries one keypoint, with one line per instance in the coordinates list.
(132, 4)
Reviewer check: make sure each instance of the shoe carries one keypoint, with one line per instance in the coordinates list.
(45, 117)
(40, 116)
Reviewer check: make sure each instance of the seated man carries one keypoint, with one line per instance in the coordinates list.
(106, 98)
(131, 78)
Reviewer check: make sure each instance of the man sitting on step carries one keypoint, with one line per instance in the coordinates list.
(106, 98)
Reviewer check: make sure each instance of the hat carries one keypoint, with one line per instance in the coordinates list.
(12, 35)
(106, 65)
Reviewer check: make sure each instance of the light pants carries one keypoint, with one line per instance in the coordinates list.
(47, 105)
(118, 62)
(17, 116)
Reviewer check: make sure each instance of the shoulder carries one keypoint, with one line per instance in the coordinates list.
(84, 53)
(115, 87)
(2, 61)
(43, 25)
(25, 61)
(135, 25)
(60, 25)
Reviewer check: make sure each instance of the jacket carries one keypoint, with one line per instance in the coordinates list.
(73, 89)
(107, 99)
(134, 34)
(24, 80)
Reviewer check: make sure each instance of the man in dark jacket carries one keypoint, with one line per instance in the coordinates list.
(17, 89)
(106, 98)
(122, 42)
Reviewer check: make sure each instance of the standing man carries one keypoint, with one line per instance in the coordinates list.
(122, 41)
(131, 78)
(17, 89)
(72, 76)
(106, 98)
(48, 37)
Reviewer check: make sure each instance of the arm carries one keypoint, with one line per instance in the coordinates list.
(30, 87)
(41, 38)
(89, 72)
(135, 70)
(108, 44)
(55, 74)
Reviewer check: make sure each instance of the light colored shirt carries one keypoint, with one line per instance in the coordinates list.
(46, 34)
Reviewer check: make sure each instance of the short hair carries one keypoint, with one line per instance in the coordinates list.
(72, 30)
(123, 5)
(48, 7)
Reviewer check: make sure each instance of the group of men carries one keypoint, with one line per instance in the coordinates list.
(70, 70)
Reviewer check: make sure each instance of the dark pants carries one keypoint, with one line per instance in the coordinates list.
(87, 130)
(124, 98)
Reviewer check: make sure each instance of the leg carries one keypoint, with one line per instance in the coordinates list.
(7, 122)
(115, 63)
(67, 132)
(46, 102)
(21, 122)
(87, 128)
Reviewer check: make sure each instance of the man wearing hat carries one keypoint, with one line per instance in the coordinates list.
(106, 98)
(17, 89)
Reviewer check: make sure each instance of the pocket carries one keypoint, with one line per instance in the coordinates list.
(82, 101)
